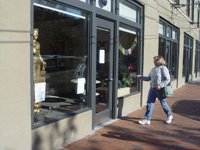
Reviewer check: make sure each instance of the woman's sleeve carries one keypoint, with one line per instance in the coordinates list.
(146, 78)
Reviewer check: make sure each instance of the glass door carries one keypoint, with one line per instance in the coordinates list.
(104, 71)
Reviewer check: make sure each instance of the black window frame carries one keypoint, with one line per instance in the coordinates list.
(88, 88)
(188, 49)
(138, 25)
(197, 59)
(167, 50)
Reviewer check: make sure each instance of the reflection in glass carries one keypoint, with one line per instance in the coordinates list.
(161, 29)
(63, 40)
(169, 50)
(162, 43)
(174, 35)
(169, 31)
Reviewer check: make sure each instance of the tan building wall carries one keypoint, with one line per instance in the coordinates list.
(56, 135)
(15, 114)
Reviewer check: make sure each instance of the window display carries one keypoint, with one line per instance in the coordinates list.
(127, 82)
(60, 52)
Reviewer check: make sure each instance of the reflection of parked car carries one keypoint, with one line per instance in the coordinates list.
(60, 70)
(60, 62)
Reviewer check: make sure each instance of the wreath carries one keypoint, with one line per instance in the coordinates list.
(129, 50)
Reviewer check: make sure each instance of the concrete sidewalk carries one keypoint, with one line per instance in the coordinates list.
(127, 134)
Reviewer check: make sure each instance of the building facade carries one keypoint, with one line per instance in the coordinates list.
(68, 66)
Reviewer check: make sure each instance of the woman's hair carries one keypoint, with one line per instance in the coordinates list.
(159, 59)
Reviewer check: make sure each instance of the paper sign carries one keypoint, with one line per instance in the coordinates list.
(40, 92)
(101, 56)
(80, 85)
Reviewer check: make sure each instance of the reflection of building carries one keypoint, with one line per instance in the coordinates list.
(71, 30)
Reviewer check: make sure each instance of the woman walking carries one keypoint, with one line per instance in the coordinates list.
(159, 77)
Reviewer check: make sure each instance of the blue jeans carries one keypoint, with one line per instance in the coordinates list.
(152, 95)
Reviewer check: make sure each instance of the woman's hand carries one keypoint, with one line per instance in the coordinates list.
(158, 87)
(139, 76)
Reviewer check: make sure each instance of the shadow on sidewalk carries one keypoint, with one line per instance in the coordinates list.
(156, 137)
(187, 108)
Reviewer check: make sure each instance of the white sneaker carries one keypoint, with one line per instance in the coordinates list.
(169, 119)
(144, 122)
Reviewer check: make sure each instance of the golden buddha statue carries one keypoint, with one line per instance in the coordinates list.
(38, 66)
(38, 63)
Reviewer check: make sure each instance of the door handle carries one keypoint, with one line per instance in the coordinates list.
(110, 79)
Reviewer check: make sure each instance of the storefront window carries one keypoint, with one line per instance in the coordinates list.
(187, 57)
(104, 4)
(128, 60)
(168, 47)
(62, 49)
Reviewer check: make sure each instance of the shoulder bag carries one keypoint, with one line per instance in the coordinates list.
(167, 91)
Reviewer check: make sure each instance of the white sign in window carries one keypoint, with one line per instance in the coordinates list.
(101, 56)
(40, 92)
(81, 86)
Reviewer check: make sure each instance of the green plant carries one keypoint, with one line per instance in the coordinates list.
(127, 81)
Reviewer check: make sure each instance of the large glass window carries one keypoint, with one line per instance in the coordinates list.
(60, 52)
(128, 60)
(168, 47)
(129, 49)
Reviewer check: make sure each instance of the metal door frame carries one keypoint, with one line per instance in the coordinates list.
(107, 114)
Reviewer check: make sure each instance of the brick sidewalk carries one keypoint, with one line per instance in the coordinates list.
(127, 134)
